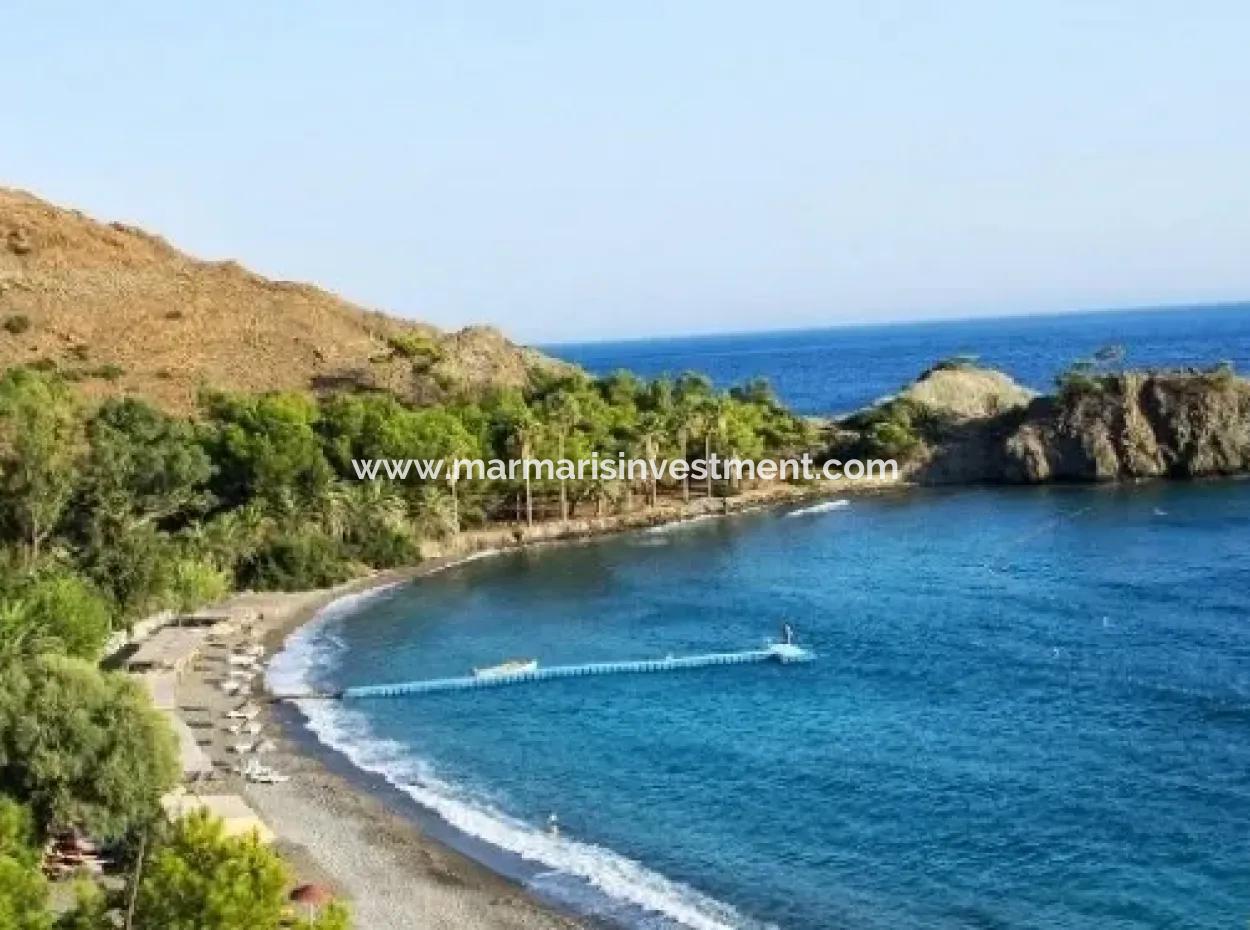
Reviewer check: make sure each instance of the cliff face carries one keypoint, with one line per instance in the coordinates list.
(1134, 425)
(965, 426)
(119, 310)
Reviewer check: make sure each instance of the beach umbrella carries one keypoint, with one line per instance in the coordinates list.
(312, 897)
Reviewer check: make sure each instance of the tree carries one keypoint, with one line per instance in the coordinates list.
(55, 611)
(691, 393)
(194, 583)
(562, 412)
(198, 878)
(90, 910)
(23, 891)
(83, 747)
(142, 466)
(522, 433)
(649, 437)
(40, 444)
(267, 448)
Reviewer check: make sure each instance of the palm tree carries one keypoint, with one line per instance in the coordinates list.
(563, 413)
(19, 637)
(435, 516)
(691, 394)
(650, 435)
(716, 424)
(524, 432)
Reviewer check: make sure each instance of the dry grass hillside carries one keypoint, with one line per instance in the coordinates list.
(120, 310)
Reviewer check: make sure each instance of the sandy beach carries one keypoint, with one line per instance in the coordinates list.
(336, 832)
(333, 832)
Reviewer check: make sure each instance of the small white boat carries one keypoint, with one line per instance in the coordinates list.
(507, 669)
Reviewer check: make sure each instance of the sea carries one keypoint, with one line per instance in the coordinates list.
(1029, 707)
(824, 372)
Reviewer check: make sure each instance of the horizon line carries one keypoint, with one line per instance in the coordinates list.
(1228, 304)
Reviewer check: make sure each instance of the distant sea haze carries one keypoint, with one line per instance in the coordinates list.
(829, 371)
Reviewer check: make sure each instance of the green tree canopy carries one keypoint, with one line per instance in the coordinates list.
(143, 466)
(40, 445)
(23, 891)
(267, 448)
(81, 746)
(58, 609)
(200, 879)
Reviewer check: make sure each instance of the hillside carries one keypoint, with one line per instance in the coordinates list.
(118, 309)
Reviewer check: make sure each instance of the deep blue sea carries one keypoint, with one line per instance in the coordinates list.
(827, 371)
(1030, 707)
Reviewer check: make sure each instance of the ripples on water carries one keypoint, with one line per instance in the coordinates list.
(1030, 710)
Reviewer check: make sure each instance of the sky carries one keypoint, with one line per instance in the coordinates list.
(583, 170)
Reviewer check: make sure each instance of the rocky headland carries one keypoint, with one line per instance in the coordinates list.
(959, 423)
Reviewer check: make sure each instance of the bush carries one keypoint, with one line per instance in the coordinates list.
(63, 608)
(193, 584)
(422, 350)
(23, 891)
(200, 879)
(1222, 374)
(387, 547)
(82, 746)
(109, 372)
(306, 559)
(17, 323)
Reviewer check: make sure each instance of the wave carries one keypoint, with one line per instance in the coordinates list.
(823, 507)
(314, 646)
(680, 524)
(618, 879)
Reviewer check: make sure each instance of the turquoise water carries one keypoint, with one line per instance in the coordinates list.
(1031, 709)
(824, 371)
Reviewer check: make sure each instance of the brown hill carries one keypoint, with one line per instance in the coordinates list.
(118, 309)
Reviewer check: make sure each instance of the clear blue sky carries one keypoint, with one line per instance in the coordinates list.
(583, 169)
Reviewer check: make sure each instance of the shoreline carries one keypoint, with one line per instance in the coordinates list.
(395, 863)
(336, 825)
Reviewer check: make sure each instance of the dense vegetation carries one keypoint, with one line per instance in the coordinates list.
(112, 513)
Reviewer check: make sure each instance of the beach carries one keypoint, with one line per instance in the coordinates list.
(330, 831)
(330, 826)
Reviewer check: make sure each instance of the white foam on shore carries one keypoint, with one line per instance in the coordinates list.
(823, 507)
(681, 524)
(312, 648)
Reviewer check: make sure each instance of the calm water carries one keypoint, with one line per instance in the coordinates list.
(1030, 710)
(1031, 707)
(837, 370)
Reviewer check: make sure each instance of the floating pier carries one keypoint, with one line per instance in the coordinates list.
(780, 652)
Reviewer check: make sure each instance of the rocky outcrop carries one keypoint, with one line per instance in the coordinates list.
(1134, 425)
(970, 427)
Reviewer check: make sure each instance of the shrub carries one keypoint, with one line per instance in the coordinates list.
(952, 363)
(1222, 374)
(23, 891)
(387, 547)
(1078, 380)
(109, 372)
(200, 879)
(296, 562)
(17, 323)
(82, 746)
(193, 584)
(62, 608)
(422, 350)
